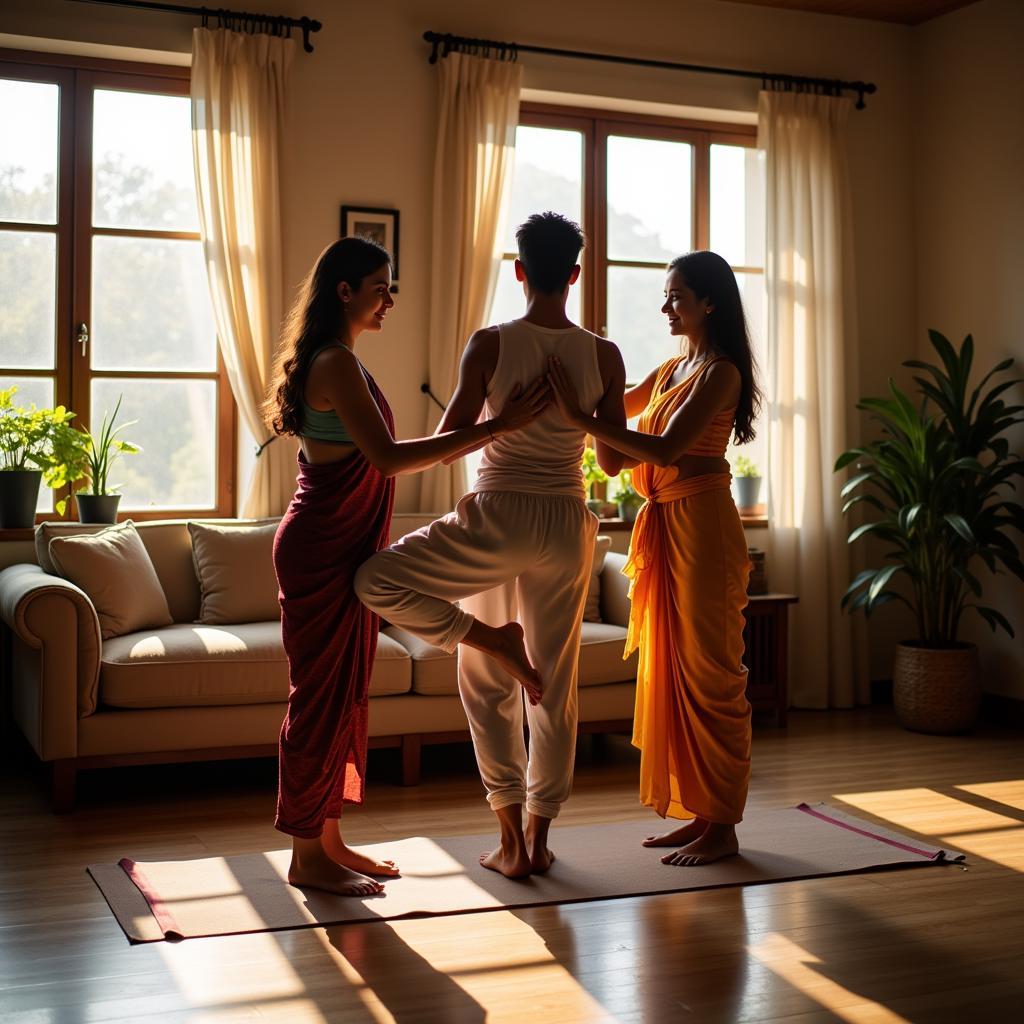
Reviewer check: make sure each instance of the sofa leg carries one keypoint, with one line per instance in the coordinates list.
(63, 794)
(411, 749)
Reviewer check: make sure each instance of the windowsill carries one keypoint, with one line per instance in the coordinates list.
(754, 520)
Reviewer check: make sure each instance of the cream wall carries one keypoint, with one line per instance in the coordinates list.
(362, 115)
(970, 231)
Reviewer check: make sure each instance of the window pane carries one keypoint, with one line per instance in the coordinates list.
(737, 205)
(29, 124)
(28, 296)
(151, 306)
(510, 303)
(635, 321)
(142, 162)
(177, 430)
(36, 391)
(650, 199)
(548, 176)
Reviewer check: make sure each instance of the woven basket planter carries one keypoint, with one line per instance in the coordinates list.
(936, 691)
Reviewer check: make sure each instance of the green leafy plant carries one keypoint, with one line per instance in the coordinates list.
(627, 494)
(938, 476)
(592, 472)
(104, 448)
(41, 439)
(742, 466)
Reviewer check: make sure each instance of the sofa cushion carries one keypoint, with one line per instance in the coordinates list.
(234, 564)
(188, 665)
(435, 673)
(592, 609)
(114, 569)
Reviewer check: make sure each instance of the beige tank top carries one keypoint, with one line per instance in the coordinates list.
(544, 457)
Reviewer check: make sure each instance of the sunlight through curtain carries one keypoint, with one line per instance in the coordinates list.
(812, 384)
(238, 83)
(478, 109)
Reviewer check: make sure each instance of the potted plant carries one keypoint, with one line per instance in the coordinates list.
(747, 479)
(627, 497)
(98, 501)
(936, 478)
(35, 445)
(595, 479)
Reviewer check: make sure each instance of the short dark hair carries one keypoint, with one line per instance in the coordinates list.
(549, 246)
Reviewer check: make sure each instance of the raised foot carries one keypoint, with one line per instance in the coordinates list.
(679, 836)
(510, 652)
(705, 850)
(331, 877)
(510, 863)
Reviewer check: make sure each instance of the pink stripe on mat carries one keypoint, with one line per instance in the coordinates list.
(929, 854)
(164, 918)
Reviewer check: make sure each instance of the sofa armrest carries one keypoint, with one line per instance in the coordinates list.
(56, 618)
(614, 590)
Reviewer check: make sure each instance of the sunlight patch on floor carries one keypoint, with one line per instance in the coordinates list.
(1010, 792)
(799, 968)
(945, 819)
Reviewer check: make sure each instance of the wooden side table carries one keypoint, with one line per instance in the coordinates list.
(766, 639)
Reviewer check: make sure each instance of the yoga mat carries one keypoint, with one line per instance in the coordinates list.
(181, 899)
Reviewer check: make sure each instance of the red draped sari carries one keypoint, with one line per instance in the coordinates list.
(339, 516)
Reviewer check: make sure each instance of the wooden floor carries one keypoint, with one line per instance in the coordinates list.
(926, 944)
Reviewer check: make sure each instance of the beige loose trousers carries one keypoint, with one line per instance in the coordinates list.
(504, 555)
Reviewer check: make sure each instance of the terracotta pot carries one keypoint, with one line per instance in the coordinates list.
(936, 690)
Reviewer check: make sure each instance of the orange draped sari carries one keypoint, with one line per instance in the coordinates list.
(688, 565)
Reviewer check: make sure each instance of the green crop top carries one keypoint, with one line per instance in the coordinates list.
(324, 424)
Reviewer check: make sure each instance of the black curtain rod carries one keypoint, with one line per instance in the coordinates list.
(444, 43)
(268, 21)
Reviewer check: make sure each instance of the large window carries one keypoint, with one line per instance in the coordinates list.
(644, 190)
(103, 292)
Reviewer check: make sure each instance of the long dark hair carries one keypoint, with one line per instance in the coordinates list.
(711, 279)
(314, 321)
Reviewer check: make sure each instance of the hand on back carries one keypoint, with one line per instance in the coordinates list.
(522, 407)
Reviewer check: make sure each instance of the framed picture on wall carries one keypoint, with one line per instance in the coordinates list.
(376, 223)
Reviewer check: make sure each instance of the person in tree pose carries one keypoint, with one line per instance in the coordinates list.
(520, 545)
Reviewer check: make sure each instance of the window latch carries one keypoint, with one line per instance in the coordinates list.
(83, 337)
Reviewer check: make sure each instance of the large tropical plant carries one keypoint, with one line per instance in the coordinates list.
(941, 477)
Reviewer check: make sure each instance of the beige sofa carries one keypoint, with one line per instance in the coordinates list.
(198, 692)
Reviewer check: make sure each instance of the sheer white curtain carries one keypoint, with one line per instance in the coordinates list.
(478, 110)
(238, 83)
(812, 387)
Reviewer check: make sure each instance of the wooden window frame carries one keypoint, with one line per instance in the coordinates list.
(77, 78)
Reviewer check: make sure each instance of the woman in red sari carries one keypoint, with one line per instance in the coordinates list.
(339, 516)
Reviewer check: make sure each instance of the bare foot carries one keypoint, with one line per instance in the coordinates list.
(536, 834)
(541, 858)
(344, 855)
(514, 863)
(320, 872)
(506, 645)
(717, 842)
(679, 836)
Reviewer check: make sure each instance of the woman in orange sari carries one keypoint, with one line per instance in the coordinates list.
(688, 562)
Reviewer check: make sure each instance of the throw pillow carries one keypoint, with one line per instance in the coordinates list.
(592, 609)
(235, 568)
(115, 571)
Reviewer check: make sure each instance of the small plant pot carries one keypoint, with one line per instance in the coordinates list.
(19, 495)
(747, 490)
(628, 511)
(97, 508)
(936, 690)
